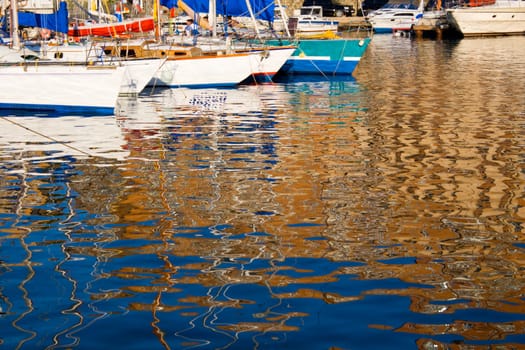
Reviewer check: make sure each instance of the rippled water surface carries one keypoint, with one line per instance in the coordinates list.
(384, 211)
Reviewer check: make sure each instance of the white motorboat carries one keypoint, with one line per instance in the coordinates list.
(311, 21)
(500, 17)
(395, 17)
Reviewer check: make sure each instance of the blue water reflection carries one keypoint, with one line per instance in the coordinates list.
(381, 211)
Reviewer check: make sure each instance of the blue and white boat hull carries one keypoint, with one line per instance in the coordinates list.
(325, 56)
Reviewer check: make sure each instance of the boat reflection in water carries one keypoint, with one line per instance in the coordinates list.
(327, 214)
(54, 136)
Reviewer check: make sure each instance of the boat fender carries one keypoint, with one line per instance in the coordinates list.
(265, 54)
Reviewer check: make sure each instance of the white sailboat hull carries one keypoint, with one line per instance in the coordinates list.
(138, 74)
(204, 71)
(60, 87)
(265, 63)
(138, 71)
(503, 18)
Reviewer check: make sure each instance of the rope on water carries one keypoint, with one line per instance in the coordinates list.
(46, 137)
(316, 67)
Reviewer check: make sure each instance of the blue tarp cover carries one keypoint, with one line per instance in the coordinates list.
(57, 21)
(262, 9)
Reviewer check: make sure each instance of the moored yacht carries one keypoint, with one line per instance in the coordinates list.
(186, 66)
(396, 16)
(311, 21)
(499, 17)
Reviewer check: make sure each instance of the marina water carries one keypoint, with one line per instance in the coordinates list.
(383, 211)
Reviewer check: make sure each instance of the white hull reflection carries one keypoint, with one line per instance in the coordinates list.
(42, 137)
(226, 101)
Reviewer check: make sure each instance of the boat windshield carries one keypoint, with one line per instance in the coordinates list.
(396, 5)
(310, 11)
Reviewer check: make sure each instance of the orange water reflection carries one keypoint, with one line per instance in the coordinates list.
(410, 173)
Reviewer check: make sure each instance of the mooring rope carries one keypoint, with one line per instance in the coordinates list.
(46, 136)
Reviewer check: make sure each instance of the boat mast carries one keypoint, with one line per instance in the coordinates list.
(252, 16)
(156, 18)
(283, 15)
(14, 25)
(212, 17)
(99, 12)
(421, 6)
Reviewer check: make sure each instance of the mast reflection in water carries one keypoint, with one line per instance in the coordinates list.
(384, 211)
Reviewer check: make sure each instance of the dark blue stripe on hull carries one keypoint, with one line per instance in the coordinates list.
(383, 30)
(59, 109)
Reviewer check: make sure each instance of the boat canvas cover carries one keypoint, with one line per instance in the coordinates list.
(262, 9)
(57, 21)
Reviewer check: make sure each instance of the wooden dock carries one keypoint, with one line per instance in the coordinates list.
(353, 23)
(436, 28)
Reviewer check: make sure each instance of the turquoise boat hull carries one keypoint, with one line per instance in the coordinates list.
(323, 56)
